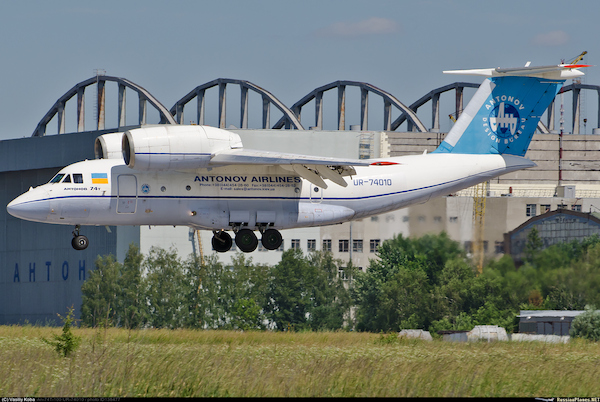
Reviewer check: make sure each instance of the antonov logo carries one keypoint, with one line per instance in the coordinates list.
(502, 124)
(505, 120)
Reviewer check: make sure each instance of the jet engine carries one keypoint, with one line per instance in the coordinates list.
(108, 146)
(170, 147)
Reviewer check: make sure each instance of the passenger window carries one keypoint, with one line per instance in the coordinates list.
(57, 178)
(67, 179)
(77, 178)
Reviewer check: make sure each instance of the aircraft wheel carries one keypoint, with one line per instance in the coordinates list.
(271, 239)
(80, 242)
(246, 240)
(221, 242)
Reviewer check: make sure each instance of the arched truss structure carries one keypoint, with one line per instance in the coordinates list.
(388, 101)
(576, 106)
(289, 119)
(59, 107)
(434, 97)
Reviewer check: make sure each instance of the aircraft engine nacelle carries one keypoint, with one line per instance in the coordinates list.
(108, 146)
(175, 147)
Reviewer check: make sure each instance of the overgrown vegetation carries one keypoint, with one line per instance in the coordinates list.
(424, 283)
(193, 363)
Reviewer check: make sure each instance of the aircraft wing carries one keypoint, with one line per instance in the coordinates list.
(311, 168)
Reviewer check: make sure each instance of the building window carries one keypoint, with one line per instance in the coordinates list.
(311, 245)
(374, 218)
(327, 245)
(389, 218)
(405, 218)
(499, 245)
(421, 218)
(453, 219)
(437, 219)
(468, 247)
(343, 246)
(544, 208)
(561, 206)
(575, 207)
(357, 246)
(280, 247)
(261, 247)
(530, 210)
(296, 244)
(373, 244)
(342, 273)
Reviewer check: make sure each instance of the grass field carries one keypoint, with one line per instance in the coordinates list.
(154, 363)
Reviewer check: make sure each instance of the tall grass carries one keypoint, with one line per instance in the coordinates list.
(157, 363)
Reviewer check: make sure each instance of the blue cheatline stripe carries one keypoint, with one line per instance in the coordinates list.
(174, 153)
(99, 176)
(259, 198)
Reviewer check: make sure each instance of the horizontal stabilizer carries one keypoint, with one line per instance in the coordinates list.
(558, 72)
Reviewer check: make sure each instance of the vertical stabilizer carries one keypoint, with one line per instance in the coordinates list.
(503, 115)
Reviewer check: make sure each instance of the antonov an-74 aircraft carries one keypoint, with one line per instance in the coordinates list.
(202, 177)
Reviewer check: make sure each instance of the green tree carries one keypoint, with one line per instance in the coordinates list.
(99, 293)
(331, 299)
(289, 301)
(534, 243)
(130, 306)
(587, 324)
(67, 342)
(403, 288)
(166, 289)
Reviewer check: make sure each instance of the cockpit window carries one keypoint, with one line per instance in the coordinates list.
(67, 179)
(57, 178)
(77, 178)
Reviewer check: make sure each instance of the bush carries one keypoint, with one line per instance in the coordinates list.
(587, 325)
(66, 343)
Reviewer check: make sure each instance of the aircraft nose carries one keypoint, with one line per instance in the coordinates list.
(33, 205)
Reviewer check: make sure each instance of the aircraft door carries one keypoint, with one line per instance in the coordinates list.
(316, 194)
(127, 194)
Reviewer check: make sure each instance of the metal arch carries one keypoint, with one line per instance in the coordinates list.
(434, 97)
(317, 94)
(78, 89)
(576, 88)
(288, 118)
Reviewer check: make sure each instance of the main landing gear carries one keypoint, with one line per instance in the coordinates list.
(246, 240)
(79, 242)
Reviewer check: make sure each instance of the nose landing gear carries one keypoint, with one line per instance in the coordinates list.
(79, 242)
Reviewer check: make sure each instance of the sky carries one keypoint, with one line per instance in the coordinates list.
(286, 47)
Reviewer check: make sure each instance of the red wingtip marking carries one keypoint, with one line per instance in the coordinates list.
(384, 163)
(577, 65)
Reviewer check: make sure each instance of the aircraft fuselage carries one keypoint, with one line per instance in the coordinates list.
(110, 193)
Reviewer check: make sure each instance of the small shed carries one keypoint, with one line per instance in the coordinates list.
(547, 322)
(479, 332)
(454, 336)
(415, 334)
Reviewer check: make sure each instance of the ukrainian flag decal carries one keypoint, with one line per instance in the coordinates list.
(99, 178)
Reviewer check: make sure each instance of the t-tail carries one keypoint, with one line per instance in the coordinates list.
(503, 115)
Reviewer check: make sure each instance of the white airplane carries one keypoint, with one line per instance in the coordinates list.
(202, 177)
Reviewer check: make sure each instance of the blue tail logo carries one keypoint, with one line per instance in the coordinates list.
(502, 116)
(503, 121)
